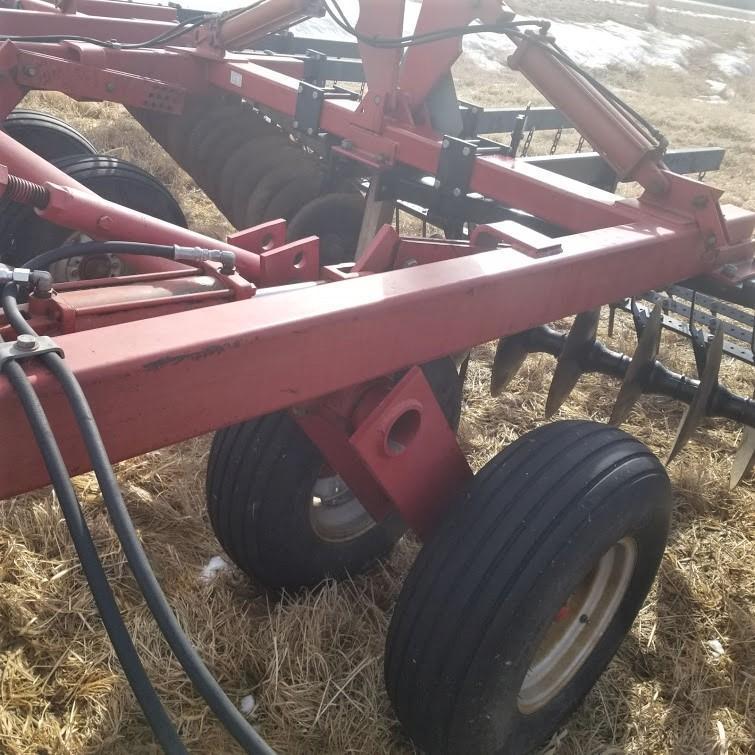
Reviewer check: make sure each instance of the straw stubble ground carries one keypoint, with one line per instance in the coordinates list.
(683, 681)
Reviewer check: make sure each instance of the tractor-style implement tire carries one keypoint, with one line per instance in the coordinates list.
(45, 135)
(525, 591)
(23, 234)
(282, 516)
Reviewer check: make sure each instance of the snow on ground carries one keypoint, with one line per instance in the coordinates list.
(748, 17)
(598, 46)
(595, 45)
(214, 566)
(733, 63)
(247, 705)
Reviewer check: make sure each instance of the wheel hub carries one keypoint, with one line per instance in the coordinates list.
(578, 626)
(335, 512)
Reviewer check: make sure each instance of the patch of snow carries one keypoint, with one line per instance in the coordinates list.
(717, 87)
(247, 705)
(711, 99)
(717, 94)
(683, 12)
(596, 46)
(716, 648)
(213, 567)
(736, 63)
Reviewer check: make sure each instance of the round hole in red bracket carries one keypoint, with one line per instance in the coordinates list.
(402, 432)
(299, 261)
(268, 242)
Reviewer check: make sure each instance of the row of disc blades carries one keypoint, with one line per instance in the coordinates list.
(580, 340)
(254, 172)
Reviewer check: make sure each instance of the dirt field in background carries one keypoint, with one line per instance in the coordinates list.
(314, 662)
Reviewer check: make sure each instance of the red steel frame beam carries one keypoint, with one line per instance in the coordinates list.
(557, 199)
(248, 358)
(376, 323)
(117, 9)
(125, 30)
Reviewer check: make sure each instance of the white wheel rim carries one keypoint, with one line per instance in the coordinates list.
(69, 269)
(577, 628)
(335, 512)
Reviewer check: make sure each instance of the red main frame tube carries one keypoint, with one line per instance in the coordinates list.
(73, 205)
(240, 360)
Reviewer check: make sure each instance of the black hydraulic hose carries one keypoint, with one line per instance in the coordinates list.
(91, 248)
(137, 677)
(205, 683)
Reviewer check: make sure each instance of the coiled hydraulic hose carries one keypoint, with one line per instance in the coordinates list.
(132, 666)
(204, 682)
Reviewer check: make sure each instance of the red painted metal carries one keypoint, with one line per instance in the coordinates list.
(115, 9)
(330, 425)
(629, 152)
(406, 443)
(324, 347)
(271, 352)
(78, 306)
(87, 81)
(73, 206)
(238, 30)
(125, 30)
(424, 65)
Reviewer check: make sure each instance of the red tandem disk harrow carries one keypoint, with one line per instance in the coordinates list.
(332, 351)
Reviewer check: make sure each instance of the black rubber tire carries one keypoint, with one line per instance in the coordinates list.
(337, 220)
(45, 135)
(485, 587)
(23, 234)
(260, 476)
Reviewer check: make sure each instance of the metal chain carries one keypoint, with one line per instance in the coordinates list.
(527, 142)
(556, 140)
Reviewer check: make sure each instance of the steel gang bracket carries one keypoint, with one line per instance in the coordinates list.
(455, 165)
(408, 446)
(402, 457)
(308, 108)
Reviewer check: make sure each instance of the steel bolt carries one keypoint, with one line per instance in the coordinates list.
(315, 95)
(110, 86)
(377, 99)
(436, 183)
(446, 144)
(310, 131)
(105, 222)
(457, 192)
(710, 241)
(295, 124)
(26, 342)
(347, 144)
(466, 152)
(30, 70)
(301, 88)
(411, 262)
(700, 202)
(730, 271)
